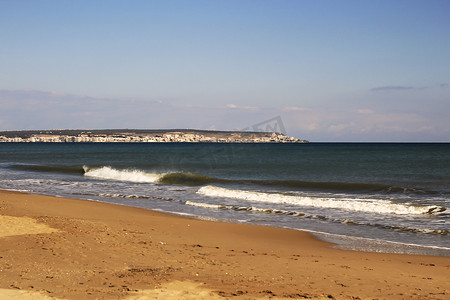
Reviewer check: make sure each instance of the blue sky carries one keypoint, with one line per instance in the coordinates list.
(333, 70)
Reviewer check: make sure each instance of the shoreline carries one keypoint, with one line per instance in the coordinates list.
(363, 244)
(97, 250)
(338, 241)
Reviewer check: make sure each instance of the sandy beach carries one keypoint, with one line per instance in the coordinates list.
(57, 248)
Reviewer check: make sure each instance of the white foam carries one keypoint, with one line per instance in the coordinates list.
(205, 205)
(122, 175)
(363, 205)
(240, 208)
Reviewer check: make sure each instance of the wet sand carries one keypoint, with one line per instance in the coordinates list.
(75, 249)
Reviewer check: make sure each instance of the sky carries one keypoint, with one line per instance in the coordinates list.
(331, 70)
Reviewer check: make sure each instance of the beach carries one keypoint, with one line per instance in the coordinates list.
(76, 249)
(379, 197)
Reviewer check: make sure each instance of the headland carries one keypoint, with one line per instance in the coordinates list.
(145, 136)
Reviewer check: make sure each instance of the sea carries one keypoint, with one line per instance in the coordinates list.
(380, 197)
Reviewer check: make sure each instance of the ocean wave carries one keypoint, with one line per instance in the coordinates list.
(410, 229)
(194, 179)
(362, 205)
(310, 216)
(341, 186)
(52, 169)
(133, 196)
(188, 178)
(245, 208)
(122, 175)
(133, 175)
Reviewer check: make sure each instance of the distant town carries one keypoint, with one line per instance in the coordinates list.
(144, 136)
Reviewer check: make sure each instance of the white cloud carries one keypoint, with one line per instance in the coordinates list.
(339, 128)
(312, 126)
(29, 109)
(366, 125)
(234, 106)
(295, 108)
(395, 88)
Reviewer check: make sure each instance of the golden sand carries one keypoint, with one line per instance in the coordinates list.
(59, 248)
(10, 226)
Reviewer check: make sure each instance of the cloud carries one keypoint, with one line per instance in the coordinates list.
(295, 108)
(364, 124)
(340, 128)
(29, 109)
(365, 111)
(234, 106)
(406, 88)
(393, 88)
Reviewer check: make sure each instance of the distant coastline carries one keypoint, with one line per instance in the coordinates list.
(144, 136)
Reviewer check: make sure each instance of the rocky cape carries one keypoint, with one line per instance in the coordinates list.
(144, 136)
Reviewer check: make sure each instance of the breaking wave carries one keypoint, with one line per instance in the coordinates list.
(245, 208)
(310, 216)
(132, 175)
(133, 196)
(122, 175)
(193, 179)
(362, 205)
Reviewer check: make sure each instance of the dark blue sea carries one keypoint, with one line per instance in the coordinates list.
(389, 197)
